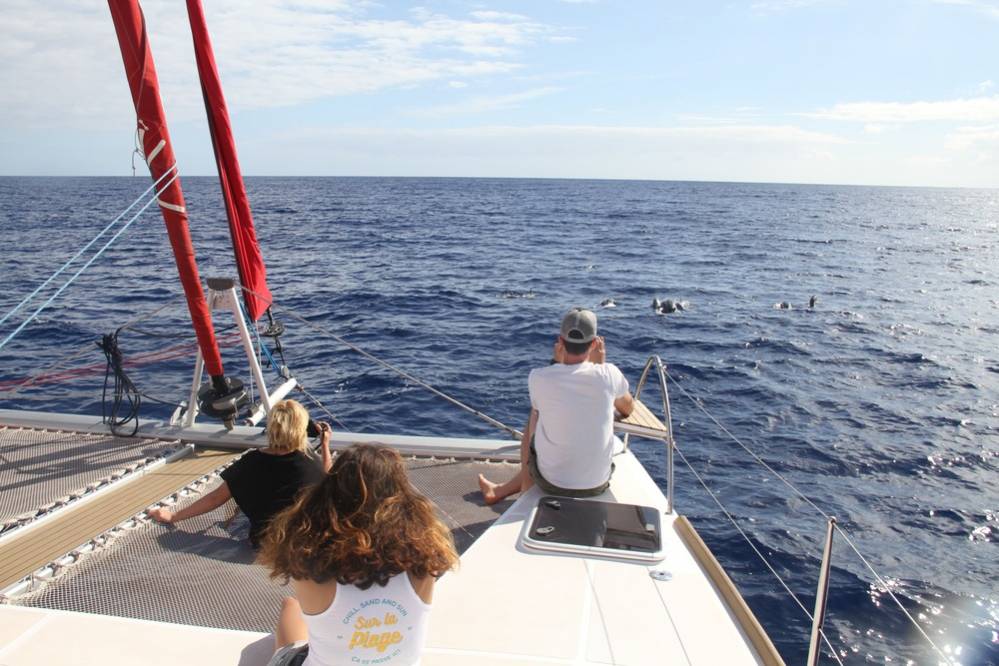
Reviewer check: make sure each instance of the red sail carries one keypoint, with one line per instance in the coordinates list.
(250, 263)
(130, 26)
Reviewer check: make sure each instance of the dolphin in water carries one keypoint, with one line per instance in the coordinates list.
(666, 307)
(812, 301)
(608, 303)
(783, 305)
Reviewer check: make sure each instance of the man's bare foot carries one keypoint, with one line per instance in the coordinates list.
(488, 489)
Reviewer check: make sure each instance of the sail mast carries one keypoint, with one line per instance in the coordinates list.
(249, 261)
(130, 26)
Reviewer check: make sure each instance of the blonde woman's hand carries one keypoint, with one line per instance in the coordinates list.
(161, 514)
(325, 432)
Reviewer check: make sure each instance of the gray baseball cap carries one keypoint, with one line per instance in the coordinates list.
(579, 325)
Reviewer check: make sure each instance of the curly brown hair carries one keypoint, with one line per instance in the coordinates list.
(363, 524)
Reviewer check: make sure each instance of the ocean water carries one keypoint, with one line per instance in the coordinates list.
(881, 404)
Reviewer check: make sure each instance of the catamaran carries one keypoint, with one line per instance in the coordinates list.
(86, 577)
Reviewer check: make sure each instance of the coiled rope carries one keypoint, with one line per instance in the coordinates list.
(887, 588)
(49, 301)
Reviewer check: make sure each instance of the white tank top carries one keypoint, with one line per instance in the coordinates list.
(379, 625)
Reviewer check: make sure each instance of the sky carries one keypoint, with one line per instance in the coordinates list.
(872, 92)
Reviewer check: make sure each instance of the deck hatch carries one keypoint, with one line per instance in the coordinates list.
(595, 528)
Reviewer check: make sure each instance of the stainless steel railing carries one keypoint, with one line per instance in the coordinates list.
(667, 438)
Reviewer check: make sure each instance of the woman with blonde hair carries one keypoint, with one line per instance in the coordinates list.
(362, 550)
(265, 481)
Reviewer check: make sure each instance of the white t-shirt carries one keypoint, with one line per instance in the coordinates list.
(380, 625)
(574, 438)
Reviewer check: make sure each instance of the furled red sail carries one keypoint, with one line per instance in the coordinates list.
(250, 263)
(130, 25)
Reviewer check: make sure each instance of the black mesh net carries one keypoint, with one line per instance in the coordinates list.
(202, 571)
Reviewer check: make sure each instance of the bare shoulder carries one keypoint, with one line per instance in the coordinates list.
(424, 587)
(314, 597)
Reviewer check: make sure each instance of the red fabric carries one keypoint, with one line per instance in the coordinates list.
(130, 26)
(252, 273)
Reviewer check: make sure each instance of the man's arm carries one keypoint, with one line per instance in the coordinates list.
(624, 404)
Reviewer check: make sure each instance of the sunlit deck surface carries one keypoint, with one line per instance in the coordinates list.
(192, 593)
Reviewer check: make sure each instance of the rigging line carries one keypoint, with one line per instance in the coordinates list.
(403, 373)
(323, 407)
(749, 451)
(260, 343)
(86, 265)
(814, 506)
(87, 348)
(85, 247)
(755, 549)
(84, 350)
(887, 589)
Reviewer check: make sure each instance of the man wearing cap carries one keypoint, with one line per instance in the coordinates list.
(569, 439)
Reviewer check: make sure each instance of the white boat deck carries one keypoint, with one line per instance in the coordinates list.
(505, 605)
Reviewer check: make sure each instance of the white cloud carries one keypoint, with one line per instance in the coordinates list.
(62, 67)
(775, 6)
(482, 104)
(989, 9)
(979, 109)
(484, 15)
(457, 84)
(985, 86)
(965, 138)
(757, 152)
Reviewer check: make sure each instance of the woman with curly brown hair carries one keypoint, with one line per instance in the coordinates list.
(362, 550)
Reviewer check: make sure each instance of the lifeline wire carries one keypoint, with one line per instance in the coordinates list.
(800, 494)
(887, 589)
(319, 329)
(86, 265)
(84, 248)
(321, 406)
(753, 546)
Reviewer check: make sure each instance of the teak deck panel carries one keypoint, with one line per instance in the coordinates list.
(643, 416)
(74, 527)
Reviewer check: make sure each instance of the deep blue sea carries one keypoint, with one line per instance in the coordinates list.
(881, 404)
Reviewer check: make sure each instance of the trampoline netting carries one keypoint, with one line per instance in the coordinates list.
(39, 468)
(202, 572)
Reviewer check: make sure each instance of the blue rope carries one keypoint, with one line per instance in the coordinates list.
(267, 352)
(85, 266)
(83, 249)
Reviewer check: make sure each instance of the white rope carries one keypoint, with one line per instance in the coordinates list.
(804, 497)
(86, 265)
(84, 248)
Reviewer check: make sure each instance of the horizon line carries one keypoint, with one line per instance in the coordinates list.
(573, 178)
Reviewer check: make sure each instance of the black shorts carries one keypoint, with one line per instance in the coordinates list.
(552, 489)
